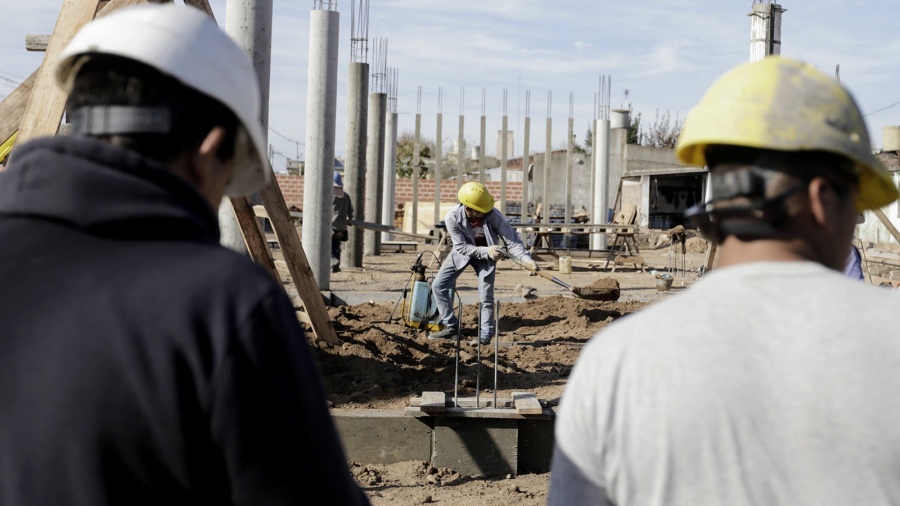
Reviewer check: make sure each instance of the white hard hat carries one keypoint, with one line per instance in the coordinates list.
(185, 43)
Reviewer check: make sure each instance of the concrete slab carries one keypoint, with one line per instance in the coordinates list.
(483, 447)
(383, 437)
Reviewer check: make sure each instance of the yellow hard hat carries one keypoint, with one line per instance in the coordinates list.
(476, 196)
(786, 105)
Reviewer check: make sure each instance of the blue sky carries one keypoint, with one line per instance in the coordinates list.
(664, 52)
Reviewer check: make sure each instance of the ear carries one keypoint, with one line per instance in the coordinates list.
(822, 201)
(205, 159)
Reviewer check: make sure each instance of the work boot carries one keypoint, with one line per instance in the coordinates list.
(335, 264)
(447, 333)
(484, 340)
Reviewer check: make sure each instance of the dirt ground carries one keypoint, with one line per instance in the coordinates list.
(381, 363)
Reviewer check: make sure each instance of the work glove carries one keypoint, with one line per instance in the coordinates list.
(494, 252)
(531, 265)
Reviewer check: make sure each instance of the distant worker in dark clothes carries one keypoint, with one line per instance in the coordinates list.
(141, 363)
(478, 232)
(343, 211)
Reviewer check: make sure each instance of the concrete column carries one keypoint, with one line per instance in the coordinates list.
(415, 174)
(525, 164)
(249, 23)
(374, 171)
(355, 164)
(765, 30)
(548, 155)
(601, 181)
(438, 155)
(321, 103)
(390, 174)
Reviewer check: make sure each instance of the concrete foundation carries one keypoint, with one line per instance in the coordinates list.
(484, 443)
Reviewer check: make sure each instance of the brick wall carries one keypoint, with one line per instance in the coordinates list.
(292, 189)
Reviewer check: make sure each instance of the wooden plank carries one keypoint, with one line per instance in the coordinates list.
(47, 101)
(13, 107)
(36, 42)
(433, 402)
(253, 235)
(297, 263)
(468, 402)
(887, 223)
(527, 403)
(386, 228)
(203, 5)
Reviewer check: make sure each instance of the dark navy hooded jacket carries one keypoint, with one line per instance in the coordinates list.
(140, 362)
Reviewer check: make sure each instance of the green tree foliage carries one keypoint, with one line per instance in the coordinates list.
(405, 151)
(634, 129)
(589, 140)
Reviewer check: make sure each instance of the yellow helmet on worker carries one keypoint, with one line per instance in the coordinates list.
(475, 196)
(785, 105)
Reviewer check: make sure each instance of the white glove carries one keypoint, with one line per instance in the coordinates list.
(531, 265)
(494, 252)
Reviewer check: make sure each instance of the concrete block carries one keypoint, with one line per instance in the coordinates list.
(535, 446)
(382, 436)
(480, 447)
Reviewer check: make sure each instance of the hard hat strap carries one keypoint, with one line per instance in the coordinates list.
(760, 219)
(120, 120)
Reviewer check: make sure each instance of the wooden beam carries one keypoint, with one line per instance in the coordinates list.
(203, 5)
(47, 100)
(386, 228)
(887, 223)
(35, 42)
(13, 106)
(253, 236)
(297, 263)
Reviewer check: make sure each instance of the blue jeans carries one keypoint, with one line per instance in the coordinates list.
(445, 281)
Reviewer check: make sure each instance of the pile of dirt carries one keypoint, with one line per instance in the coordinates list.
(601, 289)
(381, 363)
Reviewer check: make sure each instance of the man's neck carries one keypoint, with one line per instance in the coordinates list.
(735, 252)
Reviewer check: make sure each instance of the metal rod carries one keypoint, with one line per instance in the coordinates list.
(478, 362)
(458, 341)
(496, 346)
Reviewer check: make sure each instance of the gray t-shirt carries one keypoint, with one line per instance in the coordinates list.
(763, 384)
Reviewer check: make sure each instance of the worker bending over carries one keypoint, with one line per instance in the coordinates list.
(476, 230)
(777, 386)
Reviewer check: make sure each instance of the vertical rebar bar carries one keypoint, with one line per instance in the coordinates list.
(478, 359)
(496, 346)
(415, 162)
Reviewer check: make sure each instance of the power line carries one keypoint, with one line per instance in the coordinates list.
(276, 132)
(883, 108)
